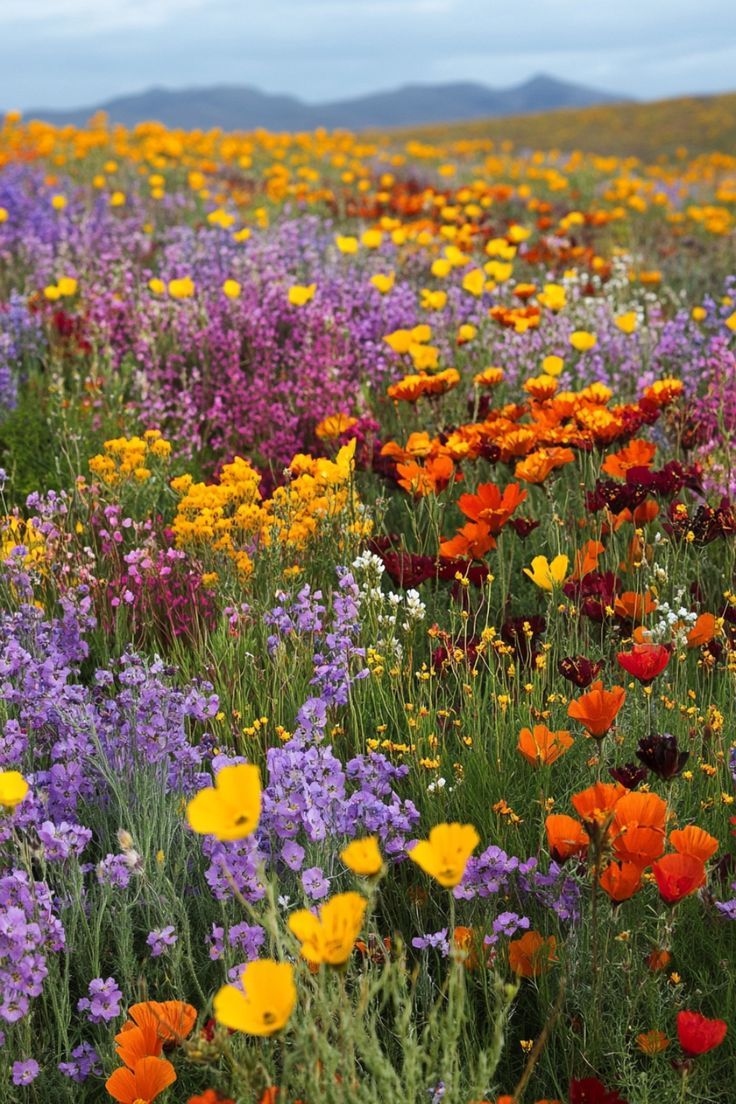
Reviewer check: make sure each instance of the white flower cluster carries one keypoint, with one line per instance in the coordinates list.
(390, 610)
(674, 621)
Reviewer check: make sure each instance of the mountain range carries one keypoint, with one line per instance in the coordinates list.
(240, 107)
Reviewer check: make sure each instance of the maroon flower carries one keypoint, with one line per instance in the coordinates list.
(629, 775)
(589, 1090)
(580, 670)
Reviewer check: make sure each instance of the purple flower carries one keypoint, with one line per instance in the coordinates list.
(292, 854)
(160, 940)
(84, 1062)
(25, 1072)
(103, 1002)
(315, 884)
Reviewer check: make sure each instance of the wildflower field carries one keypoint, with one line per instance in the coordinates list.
(368, 624)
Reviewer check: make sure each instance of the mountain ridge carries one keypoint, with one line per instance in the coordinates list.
(244, 107)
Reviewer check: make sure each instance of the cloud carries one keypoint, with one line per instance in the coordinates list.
(72, 52)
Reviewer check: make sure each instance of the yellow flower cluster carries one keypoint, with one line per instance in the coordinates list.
(230, 517)
(129, 457)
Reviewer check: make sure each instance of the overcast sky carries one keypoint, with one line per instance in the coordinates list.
(69, 53)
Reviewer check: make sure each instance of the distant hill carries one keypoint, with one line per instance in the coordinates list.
(235, 107)
(700, 124)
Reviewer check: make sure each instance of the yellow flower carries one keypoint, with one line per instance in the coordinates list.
(731, 322)
(698, 314)
(466, 333)
(3, 214)
(628, 322)
(383, 282)
(474, 282)
(67, 285)
(548, 575)
(267, 1002)
(117, 199)
(330, 937)
(582, 340)
(182, 288)
(334, 425)
(300, 294)
(445, 854)
(363, 856)
(52, 293)
(231, 288)
(242, 235)
(372, 239)
(158, 287)
(346, 244)
(13, 788)
(552, 365)
(433, 300)
(553, 297)
(231, 809)
(58, 202)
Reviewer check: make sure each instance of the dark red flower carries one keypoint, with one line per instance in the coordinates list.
(678, 876)
(629, 775)
(589, 1090)
(580, 670)
(660, 753)
(523, 526)
(645, 661)
(698, 1034)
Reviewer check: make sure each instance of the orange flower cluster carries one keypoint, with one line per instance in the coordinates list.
(629, 832)
(139, 1045)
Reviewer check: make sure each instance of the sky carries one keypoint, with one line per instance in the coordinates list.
(75, 53)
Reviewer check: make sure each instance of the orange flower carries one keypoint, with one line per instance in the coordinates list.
(638, 828)
(620, 880)
(565, 836)
(465, 940)
(597, 709)
(473, 540)
(491, 506)
(173, 1020)
(702, 631)
(596, 804)
(694, 841)
(658, 960)
(429, 478)
(632, 606)
(586, 560)
(532, 955)
(678, 876)
(542, 746)
(143, 1084)
(637, 454)
(652, 1042)
(537, 466)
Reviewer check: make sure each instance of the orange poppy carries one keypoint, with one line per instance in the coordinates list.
(678, 876)
(652, 1042)
(658, 960)
(565, 836)
(586, 559)
(702, 631)
(143, 1084)
(473, 540)
(532, 954)
(595, 805)
(632, 606)
(542, 746)
(492, 506)
(172, 1019)
(639, 846)
(637, 454)
(537, 466)
(620, 880)
(134, 1042)
(694, 841)
(638, 828)
(597, 709)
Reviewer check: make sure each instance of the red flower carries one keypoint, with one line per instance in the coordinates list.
(678, 876)
(645, 661)
(589, 1090)
(698, 1034)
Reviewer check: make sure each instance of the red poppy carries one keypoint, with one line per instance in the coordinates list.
(678, 876)
(645, 661)
(698, 1034)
